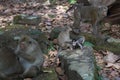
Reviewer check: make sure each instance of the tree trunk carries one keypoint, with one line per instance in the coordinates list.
(113, 13)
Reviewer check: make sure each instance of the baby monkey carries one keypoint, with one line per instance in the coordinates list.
(64, 40)
(79, 42)
(30, 56)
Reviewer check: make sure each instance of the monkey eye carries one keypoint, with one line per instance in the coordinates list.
(29, 42)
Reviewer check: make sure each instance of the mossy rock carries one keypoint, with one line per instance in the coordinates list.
(37, 34)
(114, 47)
(49, 75)
(27, 19)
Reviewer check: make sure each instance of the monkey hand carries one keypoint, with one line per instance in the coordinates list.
(27, 57)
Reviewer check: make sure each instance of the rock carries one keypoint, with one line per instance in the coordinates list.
(27, 19)
(12, 36)
(113, 40)
(79, 64)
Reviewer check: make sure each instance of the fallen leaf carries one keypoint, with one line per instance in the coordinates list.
(28, 79)
(110, 57)
(116, 65)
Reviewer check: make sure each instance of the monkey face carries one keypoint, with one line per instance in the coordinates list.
(27, 44)
(103, 10)
(22, 45)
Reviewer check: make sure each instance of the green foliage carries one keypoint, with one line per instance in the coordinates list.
(96, 71)
(72, 1)
(98, 77)
(51, 47)
(89, 44)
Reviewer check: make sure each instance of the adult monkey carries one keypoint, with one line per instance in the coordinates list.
(9, 64)
(30, 56)
(93, 14)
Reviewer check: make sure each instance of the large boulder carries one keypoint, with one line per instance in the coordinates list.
(79, 64)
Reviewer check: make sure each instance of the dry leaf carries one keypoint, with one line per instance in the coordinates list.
(110, 57)
(28, 79)
(116, 65)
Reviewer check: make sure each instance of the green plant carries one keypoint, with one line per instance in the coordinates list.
(72, 1)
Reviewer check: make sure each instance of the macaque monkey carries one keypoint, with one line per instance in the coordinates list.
(30, 56)
(9, 64)
(89, 14)
(93, 13)
(79, 42)
(64, 38)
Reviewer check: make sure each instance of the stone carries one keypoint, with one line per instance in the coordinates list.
(12, 36)
(79, 64)
(27, 19)
(111, 39)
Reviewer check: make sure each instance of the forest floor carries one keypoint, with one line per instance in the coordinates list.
(55, 16)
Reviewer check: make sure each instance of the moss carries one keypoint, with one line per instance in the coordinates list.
(97, 69)
(26, 19)
(114, 47)
(49, 75)
(96, 75)
(17, 18)
(13, 26)
(18, 30)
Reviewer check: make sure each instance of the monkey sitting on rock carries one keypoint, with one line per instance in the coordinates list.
(30, 56)
(64, 40)
(79, 42)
